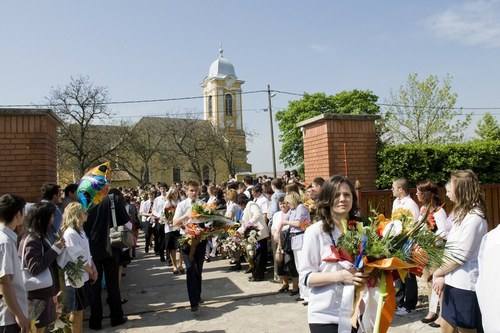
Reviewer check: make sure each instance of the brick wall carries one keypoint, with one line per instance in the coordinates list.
(341, 144)
(27, 151)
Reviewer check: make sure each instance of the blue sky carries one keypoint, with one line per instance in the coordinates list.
(145, 50)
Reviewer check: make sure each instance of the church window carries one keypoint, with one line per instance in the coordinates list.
(206, 172)
(210, 107)
(229, 105)
(176, 174)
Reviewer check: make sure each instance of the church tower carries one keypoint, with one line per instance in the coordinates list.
(222, 106)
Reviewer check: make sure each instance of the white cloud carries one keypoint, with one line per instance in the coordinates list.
(318, 47)
(472, 22)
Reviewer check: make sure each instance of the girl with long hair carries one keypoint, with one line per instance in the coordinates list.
(457, 277)
(78, 298)
(337, 201)
(172, 233)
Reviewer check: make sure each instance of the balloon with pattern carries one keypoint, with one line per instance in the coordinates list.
(94, 185)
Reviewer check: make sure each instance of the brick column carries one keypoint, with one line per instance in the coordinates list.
(341, 144)
(28, 156)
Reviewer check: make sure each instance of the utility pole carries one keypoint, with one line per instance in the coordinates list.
(270, 109)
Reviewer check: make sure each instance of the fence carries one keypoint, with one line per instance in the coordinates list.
(381, 201)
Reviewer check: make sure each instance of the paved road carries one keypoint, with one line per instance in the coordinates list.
(158, 303)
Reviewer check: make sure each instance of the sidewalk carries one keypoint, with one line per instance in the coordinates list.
(157, 302)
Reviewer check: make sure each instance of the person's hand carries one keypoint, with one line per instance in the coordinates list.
(438, 284)
(24, 323)
(354, 277)
(60, 243)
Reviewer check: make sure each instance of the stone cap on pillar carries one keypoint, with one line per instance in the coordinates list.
(338, 117)
(30, 112)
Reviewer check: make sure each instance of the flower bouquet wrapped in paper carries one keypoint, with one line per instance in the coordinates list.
(169, 212)
(72, 263)
(385, 245)
(208, 212)
(233, 244)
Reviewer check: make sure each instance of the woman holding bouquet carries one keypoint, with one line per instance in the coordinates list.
(40, 255)
(337, 201)
(457, 277)
(78, 298)
(172, 233)
(428, 197)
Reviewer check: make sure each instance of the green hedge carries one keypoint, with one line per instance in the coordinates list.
(436, 162)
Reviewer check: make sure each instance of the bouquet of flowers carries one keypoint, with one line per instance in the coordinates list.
(62, 324)
(233, 244)
(250, 234)
(385, 245)
(35, 310)
(169, 214)
(72, 263)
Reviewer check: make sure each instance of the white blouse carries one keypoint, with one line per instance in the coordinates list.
(462, 246)
(324, 301)
(73, 238)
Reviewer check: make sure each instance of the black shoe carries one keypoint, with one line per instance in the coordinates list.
(284, 289)
(252, 279)
(146, 250)
(120, 322)
(235, 267)
(162, 259)
(294, 292)
(95, 327)
(433, 324)
(299, 299)
(305, 303)
(182, 271)
(207, 258)
(429, 320)
(194, 309)
(123, 300)
(201, 301)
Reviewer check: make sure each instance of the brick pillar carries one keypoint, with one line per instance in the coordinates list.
(28, 156)
(341, 144)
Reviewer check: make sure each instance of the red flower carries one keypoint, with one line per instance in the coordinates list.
(351, 225)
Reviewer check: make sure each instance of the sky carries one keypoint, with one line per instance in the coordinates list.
(147, 50)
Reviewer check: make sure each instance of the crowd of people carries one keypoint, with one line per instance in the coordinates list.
(298, 223)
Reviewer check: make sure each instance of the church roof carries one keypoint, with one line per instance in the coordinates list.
(221, 68)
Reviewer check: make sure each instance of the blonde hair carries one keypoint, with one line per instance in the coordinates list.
(293, 198)
(72, 217)
(468, 194)
(231, 195)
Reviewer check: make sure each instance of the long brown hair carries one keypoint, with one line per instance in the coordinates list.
(329, 192)
(430, 194)
(468, 194)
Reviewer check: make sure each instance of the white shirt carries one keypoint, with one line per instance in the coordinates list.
(253, 213)
(463, 244)
(73, 238)
(158, 208)
(144, 209)
(324, 301)
(168, 227)
(407, 203)
(263, 203)
(11, 265)
(487, 289)
(232, 210)
(184, 207)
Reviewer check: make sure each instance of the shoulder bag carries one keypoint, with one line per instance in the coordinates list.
(119, 236)
(35, 282)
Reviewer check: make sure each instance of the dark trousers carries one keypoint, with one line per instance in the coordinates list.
(14, 328)
(160, 237)
(193, 272)
(150, 232)
(407, 295)
(260, 260)
(110, 268)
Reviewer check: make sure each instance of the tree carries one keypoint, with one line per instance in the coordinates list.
(83, 138)
(423, 112)
(488, 128)
(346, 102)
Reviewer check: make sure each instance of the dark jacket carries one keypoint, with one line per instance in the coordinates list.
(98, 224)
(38, 260)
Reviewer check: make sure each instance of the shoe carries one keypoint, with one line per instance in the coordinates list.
(123, 300)
(146, 250)
(95, 327)
(252, 279)
(162, 259)
(433, 324)
(235, 268)
(299, 299)
(402, 311)
(120, 322)
(201, 301)
(194, 309)
(250, 270)
(305, 303)
(176, 272)
(429, 320)
(284, 289)
(207, 258)
(294, 292)
(182, 271)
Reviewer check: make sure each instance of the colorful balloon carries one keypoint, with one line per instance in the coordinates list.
(94, 186)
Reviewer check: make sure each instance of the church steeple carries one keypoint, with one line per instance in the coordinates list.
(222, 95)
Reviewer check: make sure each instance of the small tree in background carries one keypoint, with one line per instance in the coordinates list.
(488, 128)
(423, 112)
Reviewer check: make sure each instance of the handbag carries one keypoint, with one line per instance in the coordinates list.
(35, 282)
(119, 236)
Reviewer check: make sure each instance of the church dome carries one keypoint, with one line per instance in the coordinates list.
(221, 68)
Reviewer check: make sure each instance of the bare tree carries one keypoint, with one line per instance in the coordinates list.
(83, 140)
